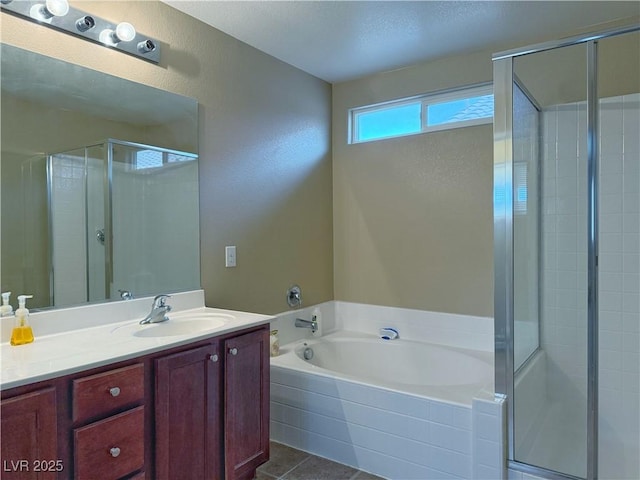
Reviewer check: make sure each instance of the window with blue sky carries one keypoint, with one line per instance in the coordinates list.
(427, 113)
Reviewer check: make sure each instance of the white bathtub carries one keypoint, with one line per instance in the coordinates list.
(400, 409)
(449, 374)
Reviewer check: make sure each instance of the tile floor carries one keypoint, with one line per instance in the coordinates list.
(287, 463)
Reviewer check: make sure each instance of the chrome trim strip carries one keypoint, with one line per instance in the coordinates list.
(50, 227)
(565, 42)
(526, 93)
(150, 147)
(592, 261)
(87, 260)
(108, 221)
(540, 471)
(503, 234)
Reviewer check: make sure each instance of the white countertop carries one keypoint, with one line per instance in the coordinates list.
(75, 350)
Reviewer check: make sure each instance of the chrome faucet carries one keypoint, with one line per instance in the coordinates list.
(312, 324)
(159, 310)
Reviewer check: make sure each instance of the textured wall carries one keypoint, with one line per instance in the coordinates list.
(265, 169)
(413, 215)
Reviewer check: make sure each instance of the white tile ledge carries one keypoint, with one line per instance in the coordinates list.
(72, 340)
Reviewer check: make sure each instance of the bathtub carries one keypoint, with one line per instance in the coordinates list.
(399, 409)
(448, 374)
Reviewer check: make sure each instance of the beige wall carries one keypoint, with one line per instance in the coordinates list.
(413, 216)
(265, 169)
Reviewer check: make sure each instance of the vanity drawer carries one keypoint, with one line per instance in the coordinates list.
(106, 392)
(111, 448)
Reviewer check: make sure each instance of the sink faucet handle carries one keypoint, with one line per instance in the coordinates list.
(160, 300)
(125, 294)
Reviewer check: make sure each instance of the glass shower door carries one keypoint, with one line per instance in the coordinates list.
(161, 254)
(550, 259)
(619, 269)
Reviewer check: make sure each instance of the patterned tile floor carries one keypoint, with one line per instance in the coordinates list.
(287, 463)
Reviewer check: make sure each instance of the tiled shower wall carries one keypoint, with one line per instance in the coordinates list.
(68, 229)
(77, 256)
(564, 244)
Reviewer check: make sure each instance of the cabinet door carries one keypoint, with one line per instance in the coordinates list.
(246, 404)
(187, 415)
(29, 436)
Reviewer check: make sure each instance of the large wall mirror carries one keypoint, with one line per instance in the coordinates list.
(99, 184)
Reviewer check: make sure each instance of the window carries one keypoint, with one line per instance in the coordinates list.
(147, 159)
(427, 113)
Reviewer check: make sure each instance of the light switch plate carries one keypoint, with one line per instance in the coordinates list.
(230, 256)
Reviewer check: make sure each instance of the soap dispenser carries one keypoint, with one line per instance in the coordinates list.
(6, 310)
(22, 332)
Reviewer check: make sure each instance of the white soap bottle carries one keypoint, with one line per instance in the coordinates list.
(6, 310)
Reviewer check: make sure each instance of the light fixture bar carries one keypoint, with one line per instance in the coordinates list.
(59, 15)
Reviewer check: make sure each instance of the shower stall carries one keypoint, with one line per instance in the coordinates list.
(122, 217)
(567, 254)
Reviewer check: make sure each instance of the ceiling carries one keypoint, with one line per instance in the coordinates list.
(341, 40)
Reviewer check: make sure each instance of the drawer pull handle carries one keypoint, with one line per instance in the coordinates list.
(114, 391)
(214, 357)
(233, 351)
(115, 451)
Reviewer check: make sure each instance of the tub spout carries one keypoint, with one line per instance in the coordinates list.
(312, 324)
(388, 333)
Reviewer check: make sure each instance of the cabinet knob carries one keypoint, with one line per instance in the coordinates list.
(214, 357)
(233, 351)
(114, 391)
(115, 451)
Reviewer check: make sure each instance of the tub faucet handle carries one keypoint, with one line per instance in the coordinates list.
(388, 333)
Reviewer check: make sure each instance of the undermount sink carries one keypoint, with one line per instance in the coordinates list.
(178, 324)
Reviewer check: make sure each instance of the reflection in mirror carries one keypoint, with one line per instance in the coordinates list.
(84, 215)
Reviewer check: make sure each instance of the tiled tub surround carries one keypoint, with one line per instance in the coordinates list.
(385, 428)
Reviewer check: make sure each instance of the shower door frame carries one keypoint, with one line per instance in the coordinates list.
(504, 78)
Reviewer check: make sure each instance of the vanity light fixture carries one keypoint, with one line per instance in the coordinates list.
(58, 14)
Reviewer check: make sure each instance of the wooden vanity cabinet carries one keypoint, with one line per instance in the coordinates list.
(199, 411)
(246, 404)
(30, 436)
(187, 414)
(108, 418)
(191, 418)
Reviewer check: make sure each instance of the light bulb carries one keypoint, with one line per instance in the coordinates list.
(52, 8)
(57, 8)
(124, 32)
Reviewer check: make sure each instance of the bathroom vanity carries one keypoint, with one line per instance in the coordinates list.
(192, 406)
